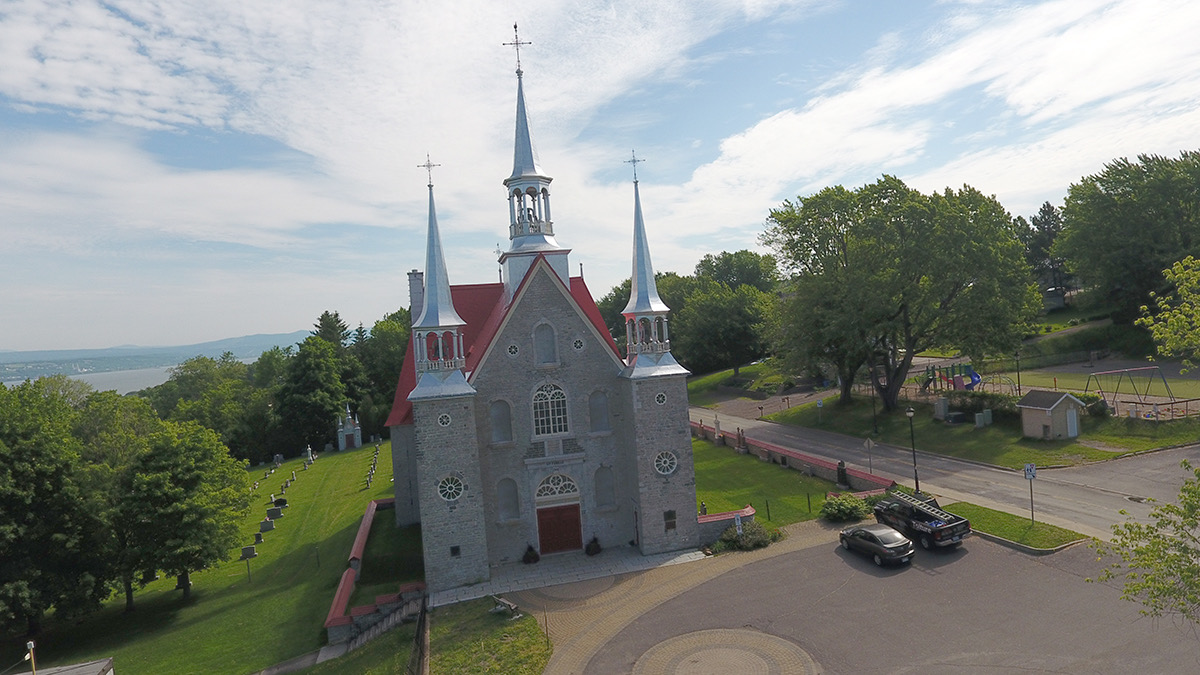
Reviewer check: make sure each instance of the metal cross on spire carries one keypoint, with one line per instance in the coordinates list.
(516, 44)
(634, 161)
(428, 166)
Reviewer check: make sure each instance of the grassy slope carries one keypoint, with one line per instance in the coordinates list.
(466, 638)
(726, 481)
(385, 655)
(232, 625)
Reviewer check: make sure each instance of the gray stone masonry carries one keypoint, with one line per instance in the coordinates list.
(663, 427)
(583, 366)
(452, 532)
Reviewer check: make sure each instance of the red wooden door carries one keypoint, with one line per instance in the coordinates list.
(559, 529)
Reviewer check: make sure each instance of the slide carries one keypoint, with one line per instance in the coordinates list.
(975, 379)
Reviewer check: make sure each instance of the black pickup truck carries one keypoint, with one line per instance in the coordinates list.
(922, 520)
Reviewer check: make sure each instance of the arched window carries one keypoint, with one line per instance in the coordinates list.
(598, 411)
(549, 410)
(501, 416)
(543, 344)
(508, 507)
(433, 345)
(606, 493)
(556, 486)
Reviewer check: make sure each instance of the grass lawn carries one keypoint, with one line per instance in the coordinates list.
(465, 639)
(387, 654)
(1000, 444)
(726, 481)
(392, 557)
(233, 624)
(1013, 528)
(1180, 387)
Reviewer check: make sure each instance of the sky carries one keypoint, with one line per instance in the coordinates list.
(177, 172)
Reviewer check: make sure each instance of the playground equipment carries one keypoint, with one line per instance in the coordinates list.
(1153, 375)
(956, 376)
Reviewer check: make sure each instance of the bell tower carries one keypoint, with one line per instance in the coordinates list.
(531, 227)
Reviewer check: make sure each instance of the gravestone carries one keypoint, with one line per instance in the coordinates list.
(248, 552)
(281, 502)
(329, 447)
(266, 525)
(293, 474)
(278, 458)
(258, 538)
(274, 513)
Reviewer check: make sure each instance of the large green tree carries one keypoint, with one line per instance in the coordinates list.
(115, 434)
(1159, 561)
(900, 272)
(1124, 225)
(312, 395)
(1174, 317)
(193, 496)
(739, 268)
(720, 327)
(49, 531)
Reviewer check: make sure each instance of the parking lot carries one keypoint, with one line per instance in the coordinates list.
(978, 608)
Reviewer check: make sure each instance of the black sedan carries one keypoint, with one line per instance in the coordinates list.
(881, 542)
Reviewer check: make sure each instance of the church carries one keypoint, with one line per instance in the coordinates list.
(518, 422)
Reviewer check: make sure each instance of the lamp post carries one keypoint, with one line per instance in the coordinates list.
(1018, 356)
(874, 419)
(913, 440)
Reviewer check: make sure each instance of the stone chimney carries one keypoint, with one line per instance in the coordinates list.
(416, 293)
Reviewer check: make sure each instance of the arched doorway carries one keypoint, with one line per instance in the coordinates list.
(558, 518)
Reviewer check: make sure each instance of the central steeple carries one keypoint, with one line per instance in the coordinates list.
(530, 229)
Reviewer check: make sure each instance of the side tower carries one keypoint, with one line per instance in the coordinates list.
(657, 395)
(447, 485)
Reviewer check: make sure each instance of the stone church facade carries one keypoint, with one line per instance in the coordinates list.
(517, 422)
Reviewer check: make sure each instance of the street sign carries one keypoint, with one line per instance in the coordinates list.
(737, 521)
(869, 444)
(1030, 474)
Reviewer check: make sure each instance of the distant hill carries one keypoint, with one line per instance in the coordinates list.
(16, 366)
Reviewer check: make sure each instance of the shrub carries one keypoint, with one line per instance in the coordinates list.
(844, 508)
(1001, 405)
(754, 535)
(593, 547)
(1094, 403)
(531, 555)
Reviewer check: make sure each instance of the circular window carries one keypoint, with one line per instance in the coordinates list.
(666, 463)
(513, 350)
(578, 344)
(444, 420)
(660, 398)
(450, 488)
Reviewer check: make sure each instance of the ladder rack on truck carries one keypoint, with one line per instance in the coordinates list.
(924, 506)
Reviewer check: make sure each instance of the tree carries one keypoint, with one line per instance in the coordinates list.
(1048, 268)
(1160, 560)
(48, 529)
(1124, 225)
(719, 327)
(114, 432)
(739, 268)
(1175, 325)
(193, 496)
(332, 329)
(903, 272)
(313, 396)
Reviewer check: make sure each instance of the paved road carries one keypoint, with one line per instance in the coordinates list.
(980, 608)
(1087, 499)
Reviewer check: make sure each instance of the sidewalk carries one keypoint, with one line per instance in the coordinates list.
(580, 618)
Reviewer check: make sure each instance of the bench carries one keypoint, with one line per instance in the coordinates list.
(503, 605)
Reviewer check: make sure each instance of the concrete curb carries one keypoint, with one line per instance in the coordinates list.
(1028, 550)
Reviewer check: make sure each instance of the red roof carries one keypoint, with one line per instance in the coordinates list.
(482, 307)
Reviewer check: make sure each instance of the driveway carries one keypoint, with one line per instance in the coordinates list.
(980, 608)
